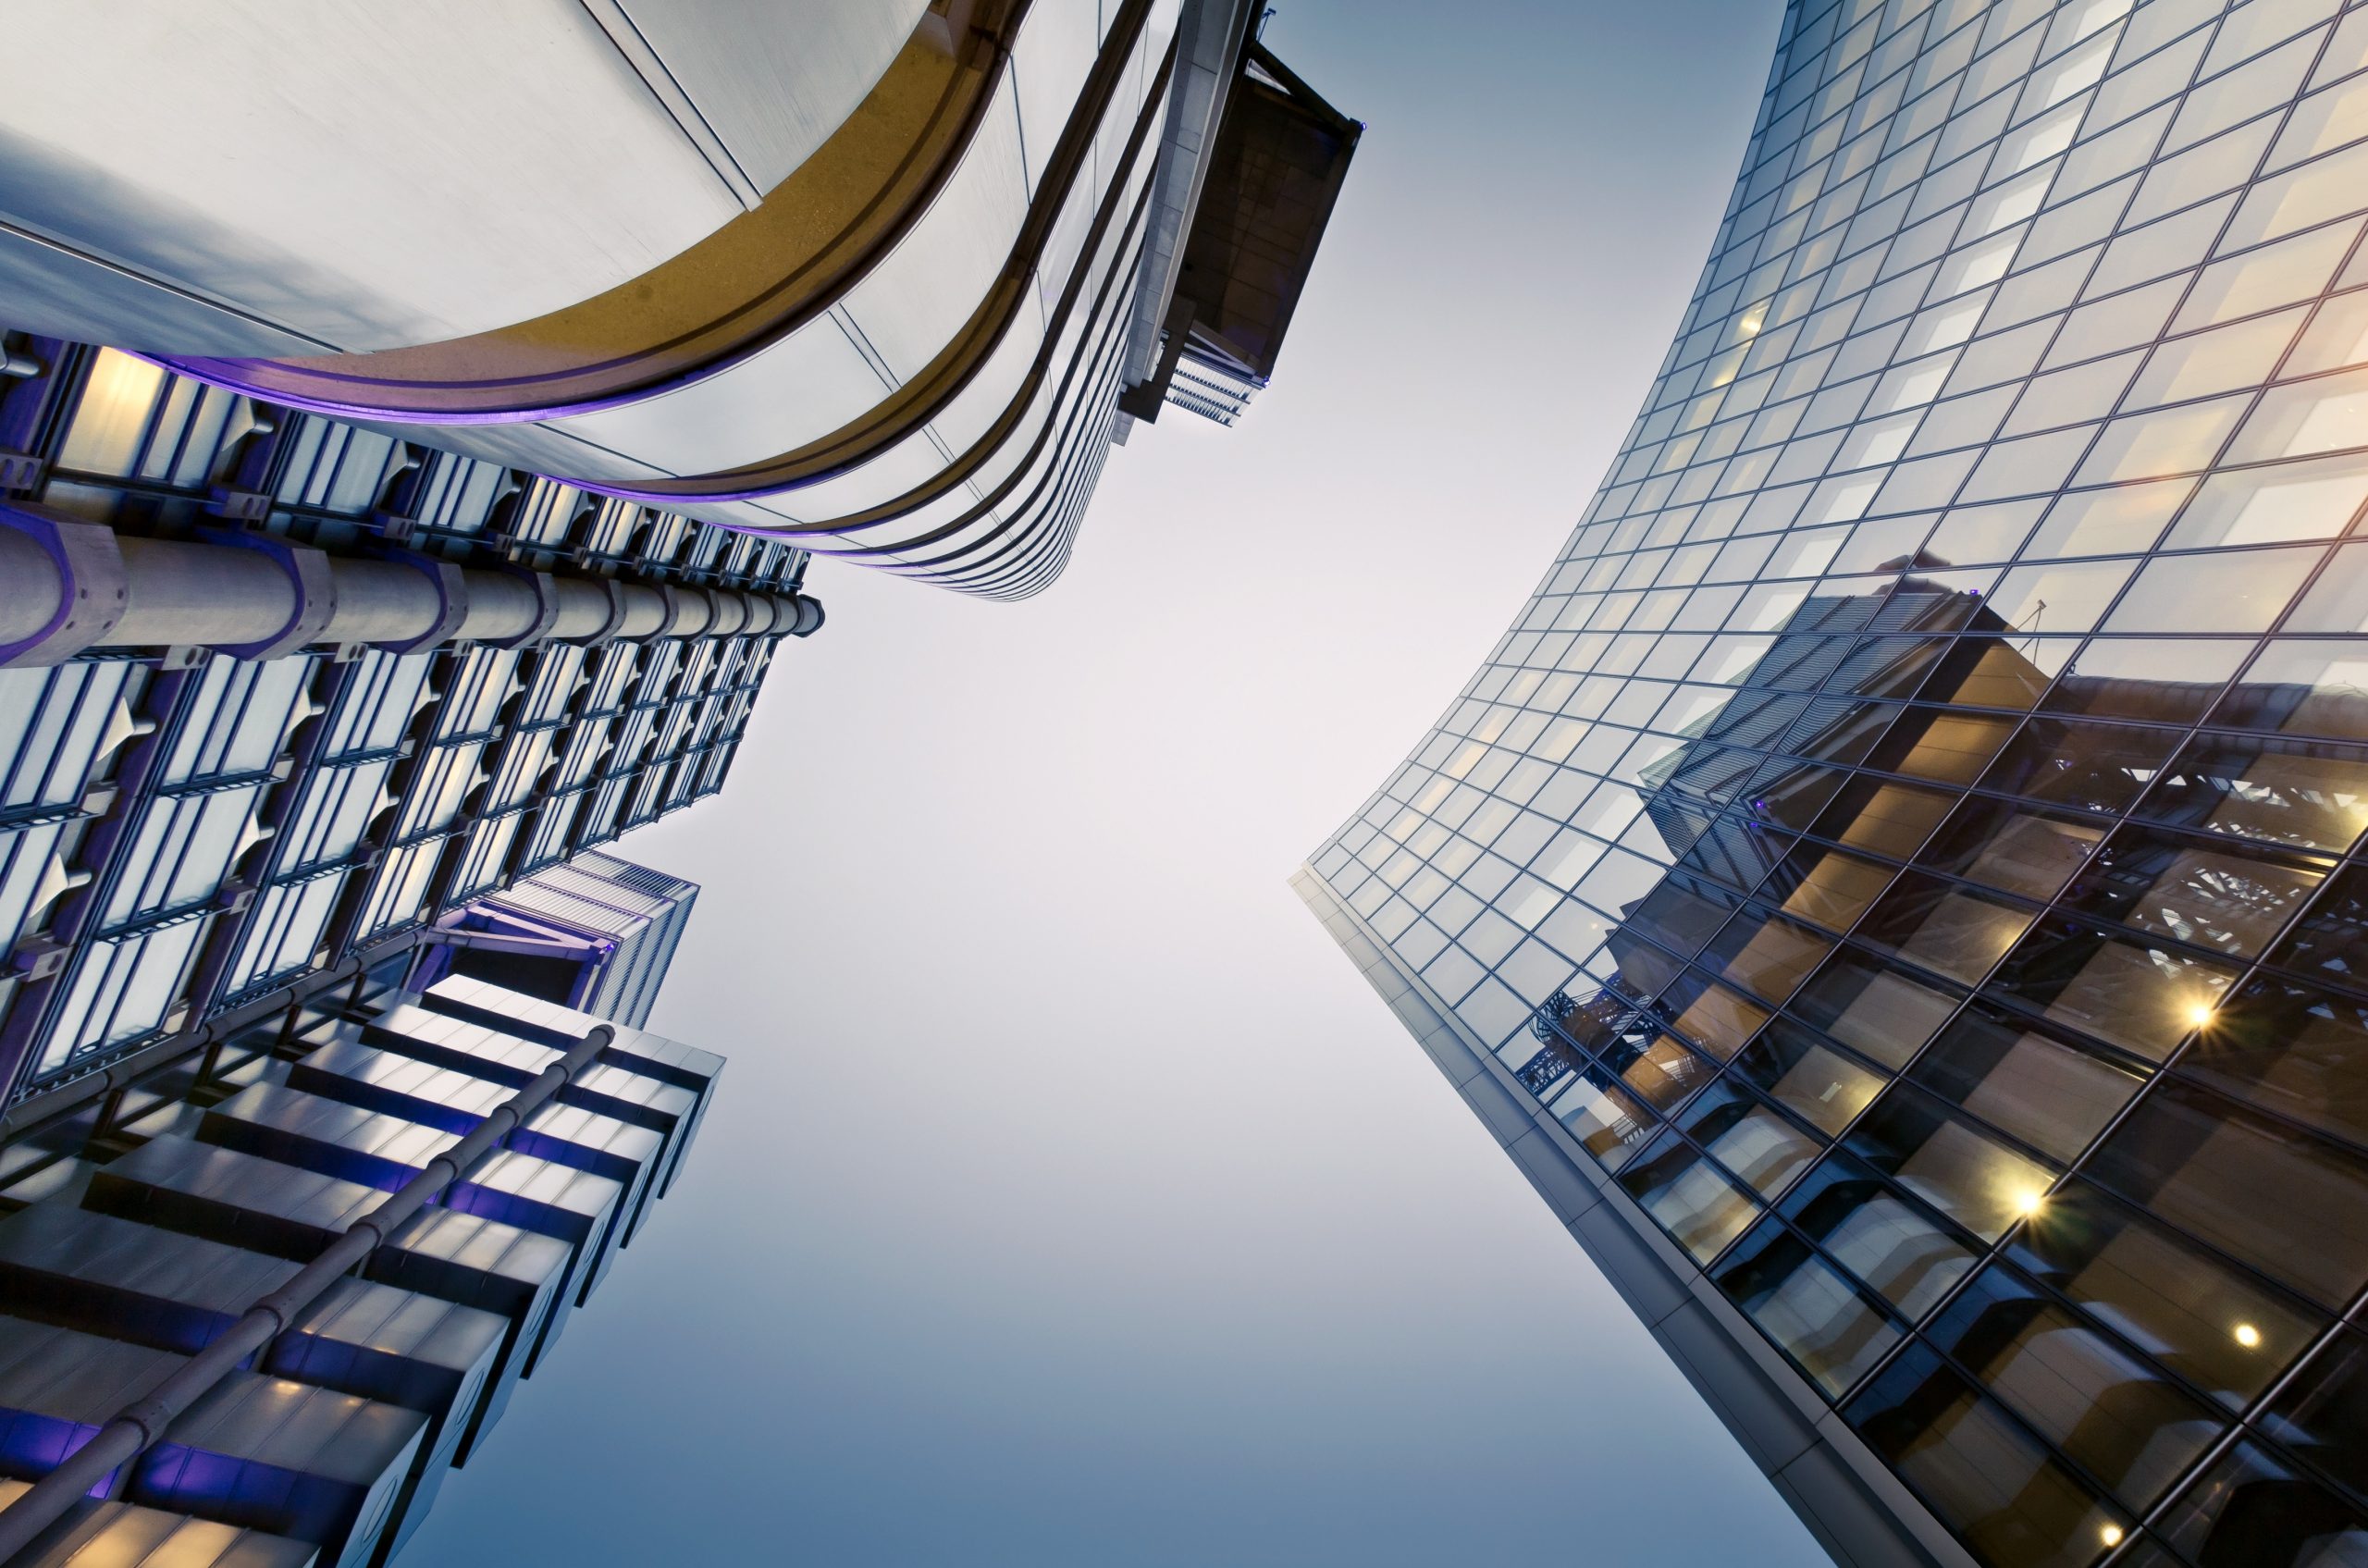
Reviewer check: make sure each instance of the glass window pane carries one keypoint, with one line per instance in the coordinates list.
(1966, 1174)
(2306, 688)
(2219, 1328)
(1878, 1236)
(2050, 1095)
(1811, 1309)
(2308, 796)
(1873, 1007)
(2119, 1419)
(2253, 1509)
(1699, 1206)
(2142, 997)
(2012, 1504)
(2292, 1208)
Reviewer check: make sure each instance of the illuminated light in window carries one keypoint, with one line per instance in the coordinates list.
(2110, 1535)
(2029, 1200)
(2200, 1016)
(1750, 326)
(2248, 1335)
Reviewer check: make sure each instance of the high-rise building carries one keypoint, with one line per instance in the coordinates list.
(594, 933)
(865, 275)
(413, 431)
(1895, 889)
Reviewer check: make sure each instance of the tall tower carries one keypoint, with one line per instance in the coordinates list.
(1893, 888)
(415, 424)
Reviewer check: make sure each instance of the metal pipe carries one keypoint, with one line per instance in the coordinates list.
(381, 601)
(262, 598)
(179, 592)
(583, 610)
(145, 1422)
(500, 606)
(645, 612)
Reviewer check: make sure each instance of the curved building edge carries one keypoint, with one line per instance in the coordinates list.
(903, 343)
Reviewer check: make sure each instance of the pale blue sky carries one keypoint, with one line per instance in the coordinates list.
(1070, 1200)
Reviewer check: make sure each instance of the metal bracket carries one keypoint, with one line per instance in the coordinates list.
(1144, 399)
(545, 608)
(238, 506)
(40, 957)
(308, 574)
(19, 471)
(92, 586)
(451, 598)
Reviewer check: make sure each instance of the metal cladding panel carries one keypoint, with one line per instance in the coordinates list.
(667, 1061)
(122, 1533)
(386, 1151)
(272, 1454)
(139, 1257)
(1280, 157)
(66, 1265)
(257, 1451)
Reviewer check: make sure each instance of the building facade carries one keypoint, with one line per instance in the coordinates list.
(594, 933)
(251, 1315)
(1894, 888)
(868, 276)
(277, 694)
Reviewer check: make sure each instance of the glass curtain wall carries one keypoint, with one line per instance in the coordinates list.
(1911, 838)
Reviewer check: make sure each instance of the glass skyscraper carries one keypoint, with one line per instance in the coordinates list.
(1894, 888)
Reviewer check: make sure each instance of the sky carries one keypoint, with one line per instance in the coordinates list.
(1069, 1198)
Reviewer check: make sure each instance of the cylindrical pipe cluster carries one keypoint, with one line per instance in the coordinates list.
(267, 599)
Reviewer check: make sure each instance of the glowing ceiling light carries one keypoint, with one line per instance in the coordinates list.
(2029, 1200)
(2248, 1335)
(2199, 1016)
(2110, 1535)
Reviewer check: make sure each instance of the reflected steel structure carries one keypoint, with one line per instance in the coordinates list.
(868, 276)
(1895, 889)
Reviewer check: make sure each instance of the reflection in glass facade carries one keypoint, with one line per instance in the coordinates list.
(1895, 887)
(868, 275)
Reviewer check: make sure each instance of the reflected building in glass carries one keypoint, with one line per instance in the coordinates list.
(1895, 889)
